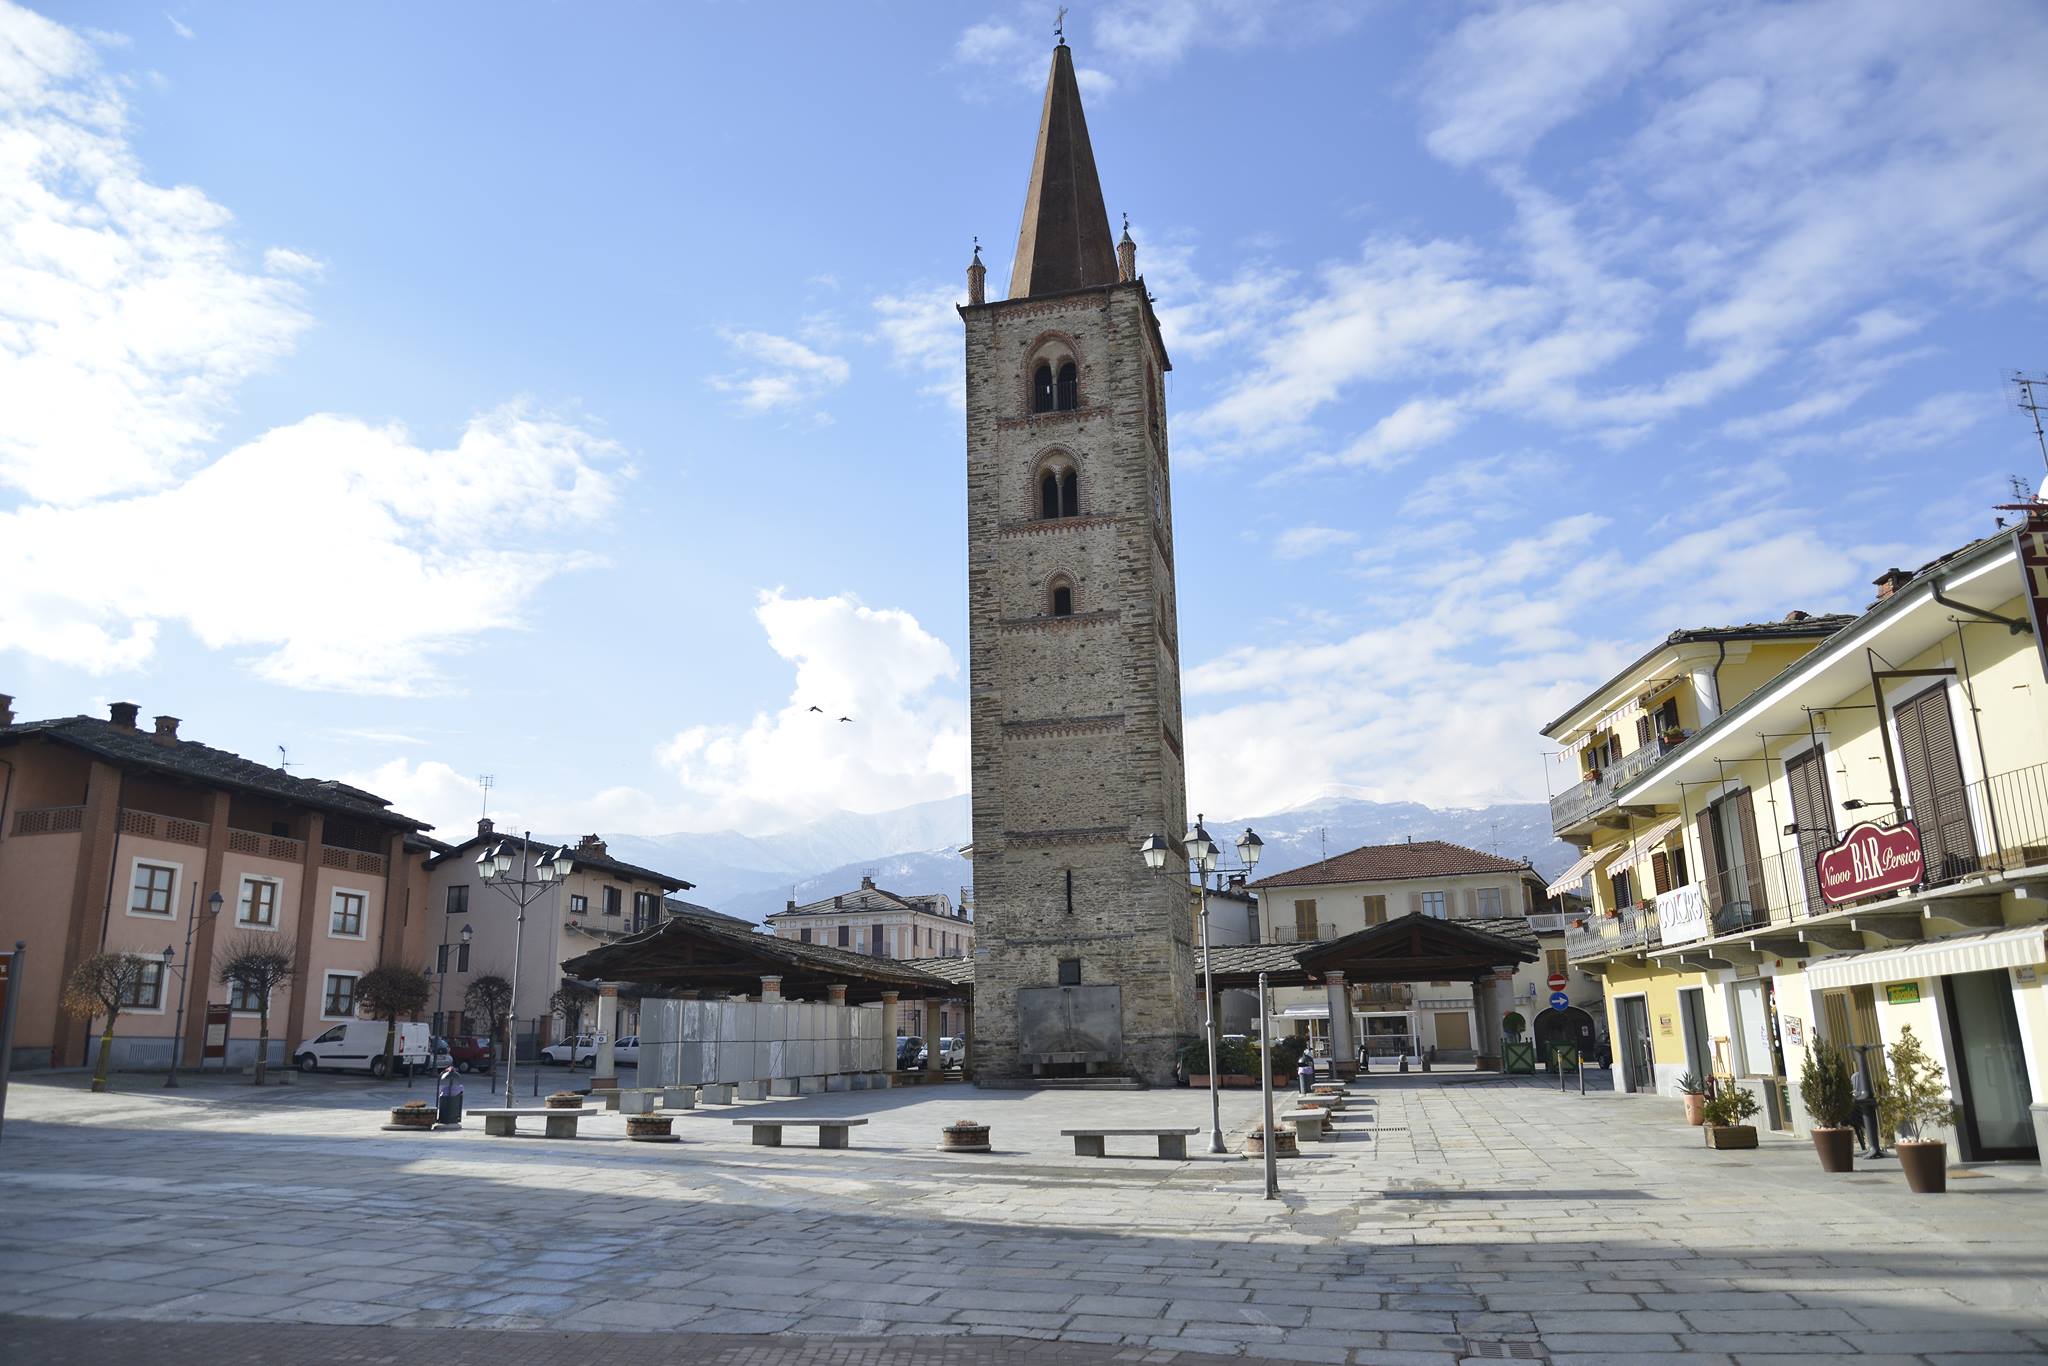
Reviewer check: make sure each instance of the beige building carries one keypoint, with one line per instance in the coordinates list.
(113, 839)
(602, 900)
(1376, 883)
(885, 924)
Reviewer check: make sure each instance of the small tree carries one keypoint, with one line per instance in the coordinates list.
(1917, 1094)
(490, 996)
(567, 1005)
(259, 964)
(1733, 1106)
(98, 988)
(388, 992)
(1824, 1087)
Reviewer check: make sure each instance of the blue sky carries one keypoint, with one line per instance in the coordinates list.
(571, 393)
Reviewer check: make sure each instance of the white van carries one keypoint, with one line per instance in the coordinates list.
(358, 1046)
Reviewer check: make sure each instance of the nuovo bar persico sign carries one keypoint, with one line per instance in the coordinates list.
(1870, 858)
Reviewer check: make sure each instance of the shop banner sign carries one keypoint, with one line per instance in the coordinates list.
(2031, 537)
(1682, 915)
(1871, 858)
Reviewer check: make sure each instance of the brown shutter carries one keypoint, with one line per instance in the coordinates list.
(1642, 730)
(1935, 793)
(1752, 857)
(1660, 872)
(1807, 776)
(1711, 866)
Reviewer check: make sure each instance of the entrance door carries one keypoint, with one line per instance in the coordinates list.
(1934, 785)
(1991, 1067)
(1638, 1066)
(1692, 1011)
(1453, 1031)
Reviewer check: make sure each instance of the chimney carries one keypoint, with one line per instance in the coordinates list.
(592, 845)
(1796, 615)
(485, 827)
(167, 730)
(837, 901)
(789, 905)
(6, 709)
(123, 714)
(867, 884)
(1890, 582)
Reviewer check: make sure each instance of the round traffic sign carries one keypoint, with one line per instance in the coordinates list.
(1557, 982)
(1558, 1000)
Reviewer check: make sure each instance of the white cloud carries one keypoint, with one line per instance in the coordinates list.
(180, 27)
(907, 741)
(1300, 542)
(780, 372)
(921, 328)
(126, 320)
(403, 548)
(285, 261)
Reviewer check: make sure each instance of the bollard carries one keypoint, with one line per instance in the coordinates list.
(1557, 1061)
(1582, 1076)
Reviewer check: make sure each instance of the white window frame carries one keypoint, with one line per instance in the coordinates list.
(334, 896)
(242, 900)
(1500, 900)
(177, 876)
(163, 982)
(328, 977)
(1443, 905)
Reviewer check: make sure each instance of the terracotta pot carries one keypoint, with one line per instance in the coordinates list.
(1925, 1162)
(1728, 1136)
(1695, 1110)
(1837, 1149)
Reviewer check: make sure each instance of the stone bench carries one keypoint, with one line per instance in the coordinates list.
(1307, 1122)
(503, 1122)
(1173, 1143)
(641, 1100)
(832, 1133)
(716, 1093)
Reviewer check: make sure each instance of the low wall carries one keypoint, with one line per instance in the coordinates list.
(692, 1043)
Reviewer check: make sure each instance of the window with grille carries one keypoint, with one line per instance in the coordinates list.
(154, 892)
(340, 996)
(345, 918)
(258, 904)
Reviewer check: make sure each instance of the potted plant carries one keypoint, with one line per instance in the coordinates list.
(1695, 1097)
(1916, 1094)
(1671, 735)
(1724, 1116)
(1830, 1103)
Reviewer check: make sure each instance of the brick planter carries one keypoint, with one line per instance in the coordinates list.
(964, 1136)
(413, 1115)
(565, 1100)
(650, 1128)
(1284, 1145)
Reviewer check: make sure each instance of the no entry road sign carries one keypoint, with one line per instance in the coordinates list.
(1558, 1000)
(1557, 982)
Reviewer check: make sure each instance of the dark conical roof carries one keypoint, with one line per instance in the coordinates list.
(1064, 241)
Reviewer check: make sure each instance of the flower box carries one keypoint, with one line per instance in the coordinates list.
(1730, 1136)
(650, 1128)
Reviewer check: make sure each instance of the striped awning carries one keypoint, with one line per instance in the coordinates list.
(1644, 844)
(1570, 878)
(1978, 951)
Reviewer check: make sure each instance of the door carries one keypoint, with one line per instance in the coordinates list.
(1991, 1067)
(1692, 1012)
(1453, 1031)
(1935, 794)
(1638, 1065)
(1807, 775)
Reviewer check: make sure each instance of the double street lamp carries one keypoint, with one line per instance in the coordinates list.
(495, 866)
(1201, 859)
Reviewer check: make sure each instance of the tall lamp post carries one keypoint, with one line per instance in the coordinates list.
(494, 866)
(441, 979)
(1201, 853)
(213, 905)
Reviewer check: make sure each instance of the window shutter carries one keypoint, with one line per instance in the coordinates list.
(1710, 859)
(1753, 871)
(1660, 872)
(1471, 898)
(1642, 730)
(1415, 903)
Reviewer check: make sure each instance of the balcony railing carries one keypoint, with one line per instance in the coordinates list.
(1383, 996)
(50, 820)
(1298, 933)
(1547, 922)
(1574, 804)
(1594, 933)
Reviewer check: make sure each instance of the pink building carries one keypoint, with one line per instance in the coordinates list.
(113, 839)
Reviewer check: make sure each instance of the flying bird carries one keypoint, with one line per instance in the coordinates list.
(819, 710)
(846, 718)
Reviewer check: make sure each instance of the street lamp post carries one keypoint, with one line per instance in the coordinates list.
(1201, 853)
(494, 866)
(213, 905)
(441, 980)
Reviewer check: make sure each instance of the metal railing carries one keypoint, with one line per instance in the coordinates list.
(1294, 933)
(1574, 804)
(1595, 933)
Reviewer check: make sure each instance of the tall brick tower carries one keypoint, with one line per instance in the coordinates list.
(1083, 961)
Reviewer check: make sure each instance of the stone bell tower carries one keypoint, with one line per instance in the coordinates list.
(1083, 957)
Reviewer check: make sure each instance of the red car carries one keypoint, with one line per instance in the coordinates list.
(472, 1052)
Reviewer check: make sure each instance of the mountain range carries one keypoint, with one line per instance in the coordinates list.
(917, 848)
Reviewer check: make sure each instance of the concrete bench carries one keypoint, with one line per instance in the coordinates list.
(716, 1093)
(832, 1133)
(678, 1097)
(1173, 1143)
(1307, 1122)
(503, 1123)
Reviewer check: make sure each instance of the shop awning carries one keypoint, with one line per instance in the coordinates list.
(1980, 951)
(1646, 843)
(1570, 878)
(1306, 1013)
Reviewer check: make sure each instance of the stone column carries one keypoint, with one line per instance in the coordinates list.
(932, 1032)
(771, 990)
(605, 1076)
(835, 994)
(1343, 1052)
(888, 1036)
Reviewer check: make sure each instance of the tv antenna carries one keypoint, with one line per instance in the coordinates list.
(486, 782)
(2030, 404)
(283, 767)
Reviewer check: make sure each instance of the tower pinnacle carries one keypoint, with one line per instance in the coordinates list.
(1064, 241)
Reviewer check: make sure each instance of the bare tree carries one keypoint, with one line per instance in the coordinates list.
(490, 996)
(100, 987)
(567, 1005)
(258, 964)
(388, 992)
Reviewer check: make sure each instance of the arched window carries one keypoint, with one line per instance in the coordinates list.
(1062, 597)
(1042, 389)
(1049, 496)
(1070, 494)
(1069, 397)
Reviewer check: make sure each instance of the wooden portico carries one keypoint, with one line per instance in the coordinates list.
(1410, 948)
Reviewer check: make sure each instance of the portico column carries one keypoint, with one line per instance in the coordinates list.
(835, 994)
(1343, 1054)
(606, 1076)
(888, 1036)
(771, 990)
(932, 1031)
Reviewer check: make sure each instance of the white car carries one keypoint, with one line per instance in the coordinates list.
(952, 1052)
(627, 1050)
(358, 1046)
(580, 1051)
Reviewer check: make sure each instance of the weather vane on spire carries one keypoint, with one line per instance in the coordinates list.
(1059, 26)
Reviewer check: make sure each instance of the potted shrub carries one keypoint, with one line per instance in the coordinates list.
(1671, 735)
(1830, 1103)
(1916, 1094)
(1237, 1063)
(1725, 1115)
(1695, 1097)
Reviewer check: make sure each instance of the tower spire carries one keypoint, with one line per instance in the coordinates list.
(1064, 241)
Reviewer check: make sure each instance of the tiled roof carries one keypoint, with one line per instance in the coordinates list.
(1249, 958)
(583, 857)
(1394, 862)
(675, 905)
(128, 748)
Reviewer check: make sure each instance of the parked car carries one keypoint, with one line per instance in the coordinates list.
(910, 1055)
(582, 1050)
(471, 1052)
(952, 1052)
(627, 1050)
(358, 1046)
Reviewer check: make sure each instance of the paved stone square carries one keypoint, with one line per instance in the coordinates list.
(1451, 1218)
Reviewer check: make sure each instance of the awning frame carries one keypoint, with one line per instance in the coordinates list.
(1978, 951)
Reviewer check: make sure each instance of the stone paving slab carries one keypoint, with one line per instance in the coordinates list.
(1445, 1223)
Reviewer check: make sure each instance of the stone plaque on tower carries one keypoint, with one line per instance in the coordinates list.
(1073, 654)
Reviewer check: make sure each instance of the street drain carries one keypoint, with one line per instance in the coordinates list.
(1504, 1351)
